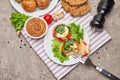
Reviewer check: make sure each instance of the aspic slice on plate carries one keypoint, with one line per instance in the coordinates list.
(61, 32)
(60, 43)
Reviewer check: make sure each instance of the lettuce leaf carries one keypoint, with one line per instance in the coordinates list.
(57, 52)
(76, 31)
(18, 20)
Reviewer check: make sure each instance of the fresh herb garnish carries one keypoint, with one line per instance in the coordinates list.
(68, 44)
(60, 29)
(18, 20)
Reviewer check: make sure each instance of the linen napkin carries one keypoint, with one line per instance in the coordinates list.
(96, 41)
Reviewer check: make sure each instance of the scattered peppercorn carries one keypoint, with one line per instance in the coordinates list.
(20, 47)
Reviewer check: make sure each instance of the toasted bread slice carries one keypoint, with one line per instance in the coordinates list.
(81, 10)
(66, 6)
(76, 10)
(75, 2)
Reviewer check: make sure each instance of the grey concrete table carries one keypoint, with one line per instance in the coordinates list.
(19, 62)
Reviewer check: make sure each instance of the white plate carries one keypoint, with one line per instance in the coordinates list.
(48, 48)
(37, 12)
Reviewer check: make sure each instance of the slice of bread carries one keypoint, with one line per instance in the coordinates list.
(66, 6)
(81, 10)
(76, 10)
(75, 2)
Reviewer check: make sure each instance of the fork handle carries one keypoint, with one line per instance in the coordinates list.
(107, 74)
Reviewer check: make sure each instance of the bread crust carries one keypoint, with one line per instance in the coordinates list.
(76, 10)
(80, 11)
(75, 2)
(66, 6)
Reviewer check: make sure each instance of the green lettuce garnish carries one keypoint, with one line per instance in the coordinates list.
(18, 20)
(57, 52)
(76, 31)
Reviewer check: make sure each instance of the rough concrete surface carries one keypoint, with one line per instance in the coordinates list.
(19, 62)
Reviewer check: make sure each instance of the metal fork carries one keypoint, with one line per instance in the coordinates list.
(102, 71)
(77, 57)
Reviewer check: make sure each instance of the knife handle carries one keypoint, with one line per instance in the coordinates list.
(107, 74)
